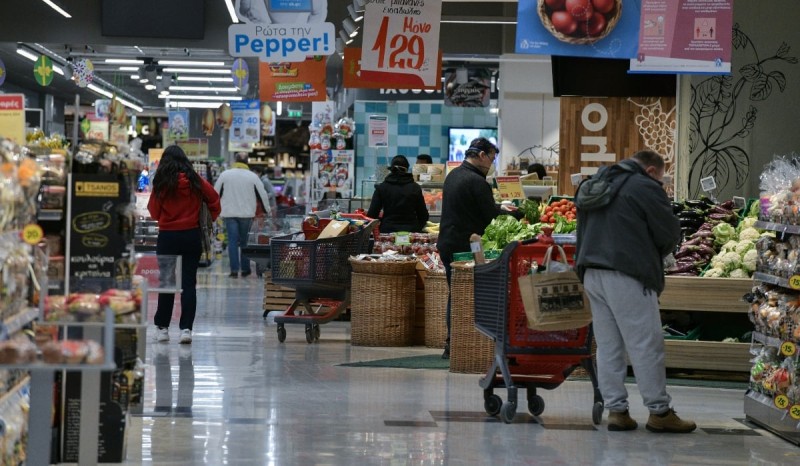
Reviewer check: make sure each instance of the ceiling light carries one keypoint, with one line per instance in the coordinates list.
(476, 20)
(100, 90)
(165, 92)
(58, 70)
(205, 97)
(57, 8)
(216, 79)
(124, 61)
(190, 63)
(231, 11)
(150, 87)
(350, 27)
(279, 108)
(129, 104)
(129, 68)
(134, 76)
(347, 39)
(143, 80)
(194, 104)
(196, 70)
(29, 55)
(339, 45)
(203, 89)
(356, 16)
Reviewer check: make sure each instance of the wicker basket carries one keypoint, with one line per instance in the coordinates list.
(382, 309)
(384, 267)
(470, 351)
(612, 18)
(436, 292)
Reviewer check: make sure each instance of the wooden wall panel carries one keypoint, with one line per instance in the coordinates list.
(632, 124)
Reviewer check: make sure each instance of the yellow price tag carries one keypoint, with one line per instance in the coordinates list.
(32, 234)
(781, 401)
(788, 348)
(794, 282)
(794, 411)
(510, 187)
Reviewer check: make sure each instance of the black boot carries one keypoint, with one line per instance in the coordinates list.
(446, 353)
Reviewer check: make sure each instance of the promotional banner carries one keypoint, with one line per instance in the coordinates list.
(245, 129)
(97, 128)
(356, 77)
(178, 126)
(240, 72)
(83, 72)
(101, 108)
(12, 117)
(43, 70)
(685, 37)
(292, 82)
(584, 28)
(378, 131)
(118, 134)
(2, 72)
(208, 122)
(267, 120)
(403, 38)
(332, 170)
(467, 87)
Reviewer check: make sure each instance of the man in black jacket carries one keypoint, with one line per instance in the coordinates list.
(621, 246)
(400, 199)
(467, 207)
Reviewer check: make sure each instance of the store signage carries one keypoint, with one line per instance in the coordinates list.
(12, 117)
(357, 77)
(594, 119)
(3, 72)
(281, 42)
(43, 70)
(378, 131)
(245, 128)
(95, 127)
(685, 36)
(467, 87)
(606, 33)
(292, 82)
(178, 126)
(510, 187)
(240, 72)
(402, 37)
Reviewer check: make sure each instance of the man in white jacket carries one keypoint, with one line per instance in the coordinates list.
(240, 190)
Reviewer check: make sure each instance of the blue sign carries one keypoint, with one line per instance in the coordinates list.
(281, 42)
(290, 5)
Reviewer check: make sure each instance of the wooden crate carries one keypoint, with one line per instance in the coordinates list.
(276, 297)
(707, 355)
(705, 294)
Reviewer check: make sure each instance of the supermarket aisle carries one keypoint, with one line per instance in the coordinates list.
(237, 396)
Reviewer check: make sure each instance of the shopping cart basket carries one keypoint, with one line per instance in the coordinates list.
(319, 272)
(525, 358)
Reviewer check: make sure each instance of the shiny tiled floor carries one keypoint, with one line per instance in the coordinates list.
(237, 396)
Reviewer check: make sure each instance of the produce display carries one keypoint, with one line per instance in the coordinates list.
(737, 254)
(505, 229)
(88, 307)
(431, 227)
(418, 243)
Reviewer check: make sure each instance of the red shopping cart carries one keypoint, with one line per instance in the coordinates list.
(524, 358)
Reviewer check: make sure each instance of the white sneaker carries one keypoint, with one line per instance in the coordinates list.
(162, 334)
(186, 336)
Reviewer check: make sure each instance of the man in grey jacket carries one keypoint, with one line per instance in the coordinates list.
(620, 254)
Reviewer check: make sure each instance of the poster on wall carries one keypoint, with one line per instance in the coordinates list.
(12, 117)
(403, 38)
(581, 28)
(354, 77)
(332, 171)
(292, 82)
(245, 130)
(378, 131)
(467, 87)
(685, 37)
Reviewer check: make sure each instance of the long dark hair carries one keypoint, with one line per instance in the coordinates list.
(173, 162)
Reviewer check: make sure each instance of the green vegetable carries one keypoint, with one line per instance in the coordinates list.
(505, 229)
(530, 208)
(563, 225)
(723, 232)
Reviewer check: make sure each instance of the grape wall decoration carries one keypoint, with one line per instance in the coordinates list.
(719, 121)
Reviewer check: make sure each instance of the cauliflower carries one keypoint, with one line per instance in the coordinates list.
(729, 246)
(749, 260)
(716, 261)
(746, 222)
(714, 272)
(739, 273)
(730, 260)
(744, 246)
(749, 233)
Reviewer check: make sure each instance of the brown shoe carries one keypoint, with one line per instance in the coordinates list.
(621, 420)
(669, 422)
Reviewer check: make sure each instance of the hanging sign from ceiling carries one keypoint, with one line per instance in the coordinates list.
(83, 73)
(208, 122)
(240, 73)
(43, 70)
(281, 42)
(2, 72)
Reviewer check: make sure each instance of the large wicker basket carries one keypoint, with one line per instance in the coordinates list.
(384, 267)
(436, 293)
(470, 351)
(612, 18)
(382, 309)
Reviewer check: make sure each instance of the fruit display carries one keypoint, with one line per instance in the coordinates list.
(418, 243)
(431, 227)
(562, 213)
(579, 21)
(23, 351)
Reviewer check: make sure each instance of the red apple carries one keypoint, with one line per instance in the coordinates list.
(555, 5)
(581, 10)
(603, 6)
(593, 27)
(563, 22)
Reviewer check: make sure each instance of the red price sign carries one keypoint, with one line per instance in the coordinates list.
(405, 50)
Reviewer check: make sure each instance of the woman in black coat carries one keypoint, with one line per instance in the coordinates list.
(401, 200)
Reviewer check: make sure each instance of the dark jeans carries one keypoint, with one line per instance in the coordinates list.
(237, 229)
(184, 243)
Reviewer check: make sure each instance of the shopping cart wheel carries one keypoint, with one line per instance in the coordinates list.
(508, 411)
(597, 413)
(309, 333)
(281, 333)
(492, 405)
(535, 404)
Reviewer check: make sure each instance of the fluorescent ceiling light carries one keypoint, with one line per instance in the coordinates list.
(150, 87)
(231, 11)
(203, 88)
(143, 80)
(29, 55)
(124, 61)
(164, 92)
(134, 76)
(195, 104)
(57, 8)
(58, 70)
(204, 97)
(196, 70)
(129, 104)
(129, 68)
(354, 14)
(190, 63)
(350, 27)
(216, 79)
(100, 90)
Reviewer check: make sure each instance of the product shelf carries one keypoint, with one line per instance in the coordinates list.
(14, 323)
(17, 387)
(766, 339)
(778, 227)
(772, 279)
(707, 355)
(760, 409)
(50, 215)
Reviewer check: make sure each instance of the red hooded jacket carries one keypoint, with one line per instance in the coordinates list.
(182, 211)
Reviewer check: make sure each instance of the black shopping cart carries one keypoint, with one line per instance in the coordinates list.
(525, 358)
(319, 271)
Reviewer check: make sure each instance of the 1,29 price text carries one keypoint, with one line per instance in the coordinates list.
(406, 50)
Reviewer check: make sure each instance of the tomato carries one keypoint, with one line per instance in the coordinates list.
(581, 10)
(603, 6)
(563, 22)
(555, 4)
(543, 218)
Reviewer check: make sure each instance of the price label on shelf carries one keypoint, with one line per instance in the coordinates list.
(32, 234)
(403, 40)
(510, 187)
(794, 282)
(794, 411)
(788, 348)
(781, 402)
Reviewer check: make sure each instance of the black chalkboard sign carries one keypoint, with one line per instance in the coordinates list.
(97, 240)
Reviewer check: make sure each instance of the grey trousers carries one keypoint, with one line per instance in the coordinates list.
(625, 318)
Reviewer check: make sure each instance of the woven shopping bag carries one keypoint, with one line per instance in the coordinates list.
(555, 299)
(206, 229)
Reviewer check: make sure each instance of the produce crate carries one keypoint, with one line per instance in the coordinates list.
(276, 297)
(693, 334)
(705, 294)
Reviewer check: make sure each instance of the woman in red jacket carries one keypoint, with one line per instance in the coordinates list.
(175, 202)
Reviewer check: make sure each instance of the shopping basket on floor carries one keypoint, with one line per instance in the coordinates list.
(319, 272)
(524, 358)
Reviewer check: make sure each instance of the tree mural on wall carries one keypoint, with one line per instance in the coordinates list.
(720, 117)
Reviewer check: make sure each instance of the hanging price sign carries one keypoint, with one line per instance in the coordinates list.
(403, 38)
